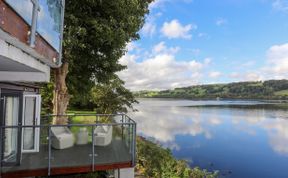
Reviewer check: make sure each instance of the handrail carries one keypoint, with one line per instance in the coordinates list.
(65, 125)
(84, 114)
(123, 123)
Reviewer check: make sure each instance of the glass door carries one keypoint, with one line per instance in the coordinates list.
(31, 117)
(11, 114)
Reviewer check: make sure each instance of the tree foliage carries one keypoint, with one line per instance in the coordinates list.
(95, 38)
(157, 162)
(111, 97)
(271, 89)
(96, 33)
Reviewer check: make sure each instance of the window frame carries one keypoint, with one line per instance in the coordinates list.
(37, 119)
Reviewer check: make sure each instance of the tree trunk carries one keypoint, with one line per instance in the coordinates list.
(60, 95)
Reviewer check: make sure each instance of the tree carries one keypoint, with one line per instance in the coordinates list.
(110, 97)
(95, 36)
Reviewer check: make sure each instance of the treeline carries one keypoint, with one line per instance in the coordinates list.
(271, 89)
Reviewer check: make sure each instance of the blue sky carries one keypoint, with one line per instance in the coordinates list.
(189, 42)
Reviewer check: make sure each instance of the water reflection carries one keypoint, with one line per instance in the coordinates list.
(164, 125)
(278, 135)
(238, 142)
(165, 121)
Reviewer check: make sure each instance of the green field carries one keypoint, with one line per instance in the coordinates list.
(281, 93)
(270, 90)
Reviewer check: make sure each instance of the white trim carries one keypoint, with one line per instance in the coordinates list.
(24, 76)
(16, 54)
(37, 130)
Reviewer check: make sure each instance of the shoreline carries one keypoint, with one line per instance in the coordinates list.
(218, 99)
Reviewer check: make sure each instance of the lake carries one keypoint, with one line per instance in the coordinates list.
(234, 137)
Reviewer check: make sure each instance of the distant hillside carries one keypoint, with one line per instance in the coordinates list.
(271, 89)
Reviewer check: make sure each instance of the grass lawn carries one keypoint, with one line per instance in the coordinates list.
(281, 93)
(90, 120)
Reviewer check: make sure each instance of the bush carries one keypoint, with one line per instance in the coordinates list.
(157, 162)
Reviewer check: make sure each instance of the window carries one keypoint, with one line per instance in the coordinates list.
(31, 117)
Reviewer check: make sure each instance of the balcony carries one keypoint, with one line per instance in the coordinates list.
(30, 39)
(42, 155)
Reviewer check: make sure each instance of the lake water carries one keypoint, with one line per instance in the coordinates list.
(239, 142)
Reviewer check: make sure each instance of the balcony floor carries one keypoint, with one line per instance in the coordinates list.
(115, 155)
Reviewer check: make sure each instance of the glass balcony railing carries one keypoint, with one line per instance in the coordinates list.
(89, 142)
(50, 21)
(45, 17)
(24, 8)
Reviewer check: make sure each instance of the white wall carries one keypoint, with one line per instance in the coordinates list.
(18, 66)
(124, 173)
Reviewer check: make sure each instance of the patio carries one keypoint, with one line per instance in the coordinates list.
(120, 153)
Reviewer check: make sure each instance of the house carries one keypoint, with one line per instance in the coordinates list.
(30, 46)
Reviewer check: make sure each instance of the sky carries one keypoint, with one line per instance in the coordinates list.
(192, 42)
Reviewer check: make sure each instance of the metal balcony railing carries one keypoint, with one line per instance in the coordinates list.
(86, 150)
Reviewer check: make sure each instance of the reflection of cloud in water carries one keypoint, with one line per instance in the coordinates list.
(276, 128)
(164, 126)
(163, 123)
(278, 135)
(214, 121)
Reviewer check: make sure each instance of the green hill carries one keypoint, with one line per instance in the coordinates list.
(271, 89)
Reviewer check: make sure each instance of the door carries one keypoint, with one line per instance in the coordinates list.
(11, 112)
(31, 117)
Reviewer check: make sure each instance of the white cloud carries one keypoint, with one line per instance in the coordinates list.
(252, 76)
(277, 58)
(174, 29)
(280, 5)
(162, 48)
(235, 75)
(246, 76)
(221, 21)
(157, 3)
(149, 28)
(160, 3)
(276, 66)
(160, 71)
(131, 46)
(215, 74)
(207, 61)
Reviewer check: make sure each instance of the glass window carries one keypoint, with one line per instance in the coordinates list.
(11, 134)
(29, 119)
(24, 9)
(49, 21)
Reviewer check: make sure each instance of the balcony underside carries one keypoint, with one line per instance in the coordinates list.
(77, 159)
(18, 66)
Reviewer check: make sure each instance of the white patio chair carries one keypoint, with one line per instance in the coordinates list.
(103, 135)
(62, 138)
